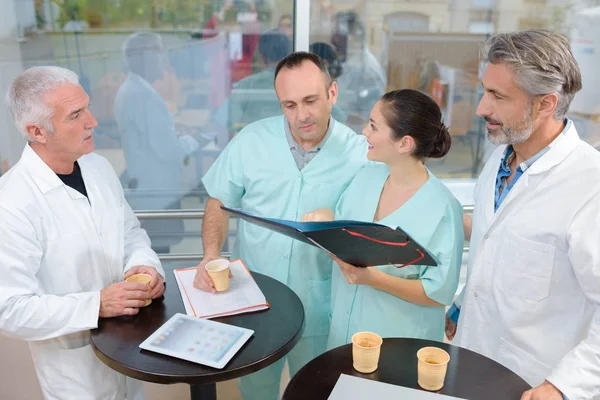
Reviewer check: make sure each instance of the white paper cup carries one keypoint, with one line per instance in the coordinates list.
(432, 365)
(366, 347)
(142, 278)
(218, 270)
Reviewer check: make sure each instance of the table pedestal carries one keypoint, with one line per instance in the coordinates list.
(204, 392)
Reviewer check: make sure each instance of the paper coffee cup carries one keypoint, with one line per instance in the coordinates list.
(366, 347)
(432, 366)
(142, 278)
(218, 270)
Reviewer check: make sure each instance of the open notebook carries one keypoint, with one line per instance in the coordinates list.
(243, 294)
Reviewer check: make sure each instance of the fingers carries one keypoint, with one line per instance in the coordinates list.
(310, 217)
(202, 281)
(447, 331)
(347, 274)
(526, 395)
(138, 294)
(345, 267)
(450, 328)
(338, 261)
(132, 271)
(155, 277)
(130, 311)
(134, 303)
(133, 286)
(158, 290)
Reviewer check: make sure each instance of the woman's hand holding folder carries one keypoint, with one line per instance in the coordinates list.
(354, 275)
(318, 215)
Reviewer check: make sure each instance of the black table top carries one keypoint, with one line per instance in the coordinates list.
(276, 332)
(470, 375)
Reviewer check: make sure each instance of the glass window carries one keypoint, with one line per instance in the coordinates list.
(170, 82)
(432, 46)
(481, 27)
(483, 3)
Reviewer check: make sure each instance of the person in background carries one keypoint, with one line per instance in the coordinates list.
(154, 151)
(286, 25)
(329, 56)
(254, 97)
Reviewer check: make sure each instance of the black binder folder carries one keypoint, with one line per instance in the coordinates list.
(358, 243)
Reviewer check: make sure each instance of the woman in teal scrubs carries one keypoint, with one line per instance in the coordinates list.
(405, 129)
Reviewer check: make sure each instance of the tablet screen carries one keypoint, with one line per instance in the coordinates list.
(197, 340)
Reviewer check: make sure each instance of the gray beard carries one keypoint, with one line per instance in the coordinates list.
(513, 134)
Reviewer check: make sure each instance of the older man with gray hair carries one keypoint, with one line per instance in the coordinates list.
(532, 299)
(68, 240)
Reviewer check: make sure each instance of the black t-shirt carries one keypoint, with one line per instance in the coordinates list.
(74, 180)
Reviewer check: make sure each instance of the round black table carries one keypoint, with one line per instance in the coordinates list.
(470, 375)
(276, 332)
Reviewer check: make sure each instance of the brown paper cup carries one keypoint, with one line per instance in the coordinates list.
(218, 270)
(431, 368)
(142, 278)
(366, 347)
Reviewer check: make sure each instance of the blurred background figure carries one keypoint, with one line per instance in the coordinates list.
(154, 152)
(254, 96)
(330, 57)
(286, 25)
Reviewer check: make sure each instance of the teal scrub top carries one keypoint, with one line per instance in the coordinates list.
(433, 217)
(257, 172)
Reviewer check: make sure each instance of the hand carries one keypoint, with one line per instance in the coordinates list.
(320, 214)
(356, 275)
(202, 281)
(450, 328)
(157, 283)
(467, 226)
(123, 298)
(545, 391)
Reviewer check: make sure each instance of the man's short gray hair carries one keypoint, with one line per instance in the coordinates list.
(542, 62)
(26, 96)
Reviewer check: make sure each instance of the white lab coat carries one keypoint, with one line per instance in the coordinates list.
(56, 253)
(532, 300)
(155, 155)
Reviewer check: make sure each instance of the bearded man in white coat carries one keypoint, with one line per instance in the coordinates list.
(532, 299)
(68, 240)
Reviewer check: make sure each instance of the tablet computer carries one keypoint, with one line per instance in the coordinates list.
(197, 340)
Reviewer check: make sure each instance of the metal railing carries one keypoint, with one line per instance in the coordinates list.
(199, 214)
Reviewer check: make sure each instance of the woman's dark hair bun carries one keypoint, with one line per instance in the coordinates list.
(414, 113)
(441, 143)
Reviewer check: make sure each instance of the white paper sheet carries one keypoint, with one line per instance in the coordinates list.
(243, 294)
(352, 387)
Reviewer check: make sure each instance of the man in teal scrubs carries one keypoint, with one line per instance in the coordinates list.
(284, 167)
